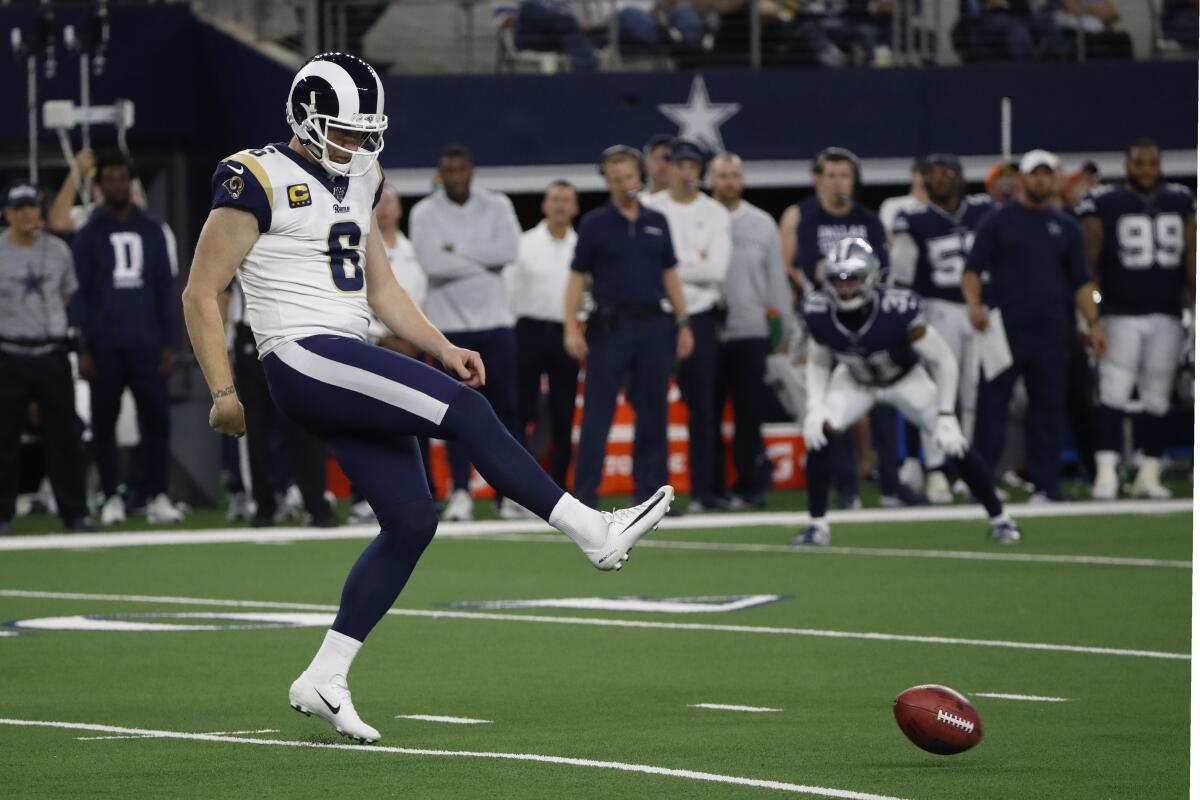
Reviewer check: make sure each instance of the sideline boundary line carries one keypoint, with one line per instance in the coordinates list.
(620, 766)
(447, 530)
(613, 623)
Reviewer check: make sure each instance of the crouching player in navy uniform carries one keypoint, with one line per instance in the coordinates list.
(296, 221)
(886, 354)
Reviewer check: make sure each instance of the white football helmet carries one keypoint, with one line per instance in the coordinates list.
(341, 92)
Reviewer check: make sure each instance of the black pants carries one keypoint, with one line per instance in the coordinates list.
(742, 366)
(136, 370)
(698, 384)
(540, 352)
(45, 380)
(305, 452)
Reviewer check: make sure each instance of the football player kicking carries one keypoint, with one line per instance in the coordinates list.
(296, 220)
(885, 353)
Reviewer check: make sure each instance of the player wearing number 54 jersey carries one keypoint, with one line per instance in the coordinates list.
(1140, 243)
(886, 353)
(928, 255)
(296, 220)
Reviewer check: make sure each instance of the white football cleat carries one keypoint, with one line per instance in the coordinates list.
(1105, 486)
(911, 475)
(937, 488)
(460, 507)
(331, 702)
(626, 526)
(113, 512)
(1148, 484)
(161, 510)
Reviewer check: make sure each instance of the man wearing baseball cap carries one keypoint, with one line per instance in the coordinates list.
(1033, 255)
(37, 276)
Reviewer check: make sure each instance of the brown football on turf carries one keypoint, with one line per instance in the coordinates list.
(938, 719)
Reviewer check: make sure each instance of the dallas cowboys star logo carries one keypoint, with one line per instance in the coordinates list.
(699, 119)
(32, 283)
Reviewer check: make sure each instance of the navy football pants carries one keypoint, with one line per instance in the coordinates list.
(370, 404)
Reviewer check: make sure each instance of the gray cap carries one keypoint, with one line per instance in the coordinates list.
(22, 195)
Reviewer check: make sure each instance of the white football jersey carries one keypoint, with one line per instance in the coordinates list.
(305, 275)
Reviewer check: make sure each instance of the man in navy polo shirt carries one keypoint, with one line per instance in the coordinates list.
(627, 251)
(1033, 254)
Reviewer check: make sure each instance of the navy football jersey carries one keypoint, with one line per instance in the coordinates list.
(818, 231)
(943, 242)
(1141, 258)
(879, 353)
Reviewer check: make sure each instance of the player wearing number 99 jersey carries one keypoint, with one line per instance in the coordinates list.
(886, 354)
(296, 220)
(1140, 242)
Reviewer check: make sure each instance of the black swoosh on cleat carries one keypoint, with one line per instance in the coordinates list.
(330, 706)
(647, 510)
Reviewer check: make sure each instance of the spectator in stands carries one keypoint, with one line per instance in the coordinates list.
(651, 27)
(464, 236)
(656, 160)
(792, 33)
(547, 26)
(305, 454)
(1098, 21)
(700, 233)
(627, 251)
(756, 290)
(1032, 254)
(914, 200)
(128, 309)
(37, 279)
(1179, 22)
(1009, 30)
(537, 284)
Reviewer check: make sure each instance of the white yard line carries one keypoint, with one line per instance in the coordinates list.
(889, 552)
(613, 623)
(143, 736)
(645, 769)
(724, 707)
(88, 541)
(1033, 698)
(450, 720)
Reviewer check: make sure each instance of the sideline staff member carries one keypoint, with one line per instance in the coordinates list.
(36, 278)
(627, 250)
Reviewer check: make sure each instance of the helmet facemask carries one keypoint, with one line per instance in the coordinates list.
(851, 274)
(313, 132)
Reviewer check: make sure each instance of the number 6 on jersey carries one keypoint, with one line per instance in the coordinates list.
(345, 257)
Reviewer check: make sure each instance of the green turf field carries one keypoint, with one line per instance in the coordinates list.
(595, 689)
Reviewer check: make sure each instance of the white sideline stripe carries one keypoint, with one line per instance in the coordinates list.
(611, 623)
(1030, 697)
(143, 736)
(450, 530)
(645, 769)
(723, 707)
(355, 379)
(894, 552)
(451, 720)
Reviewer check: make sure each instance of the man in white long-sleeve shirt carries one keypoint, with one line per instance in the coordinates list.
(463, 238)
(701, 231)
(537, 284)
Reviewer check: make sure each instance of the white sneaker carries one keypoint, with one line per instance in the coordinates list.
(460, 507)
(937, 488)
(331, 702)
(113, 512)
(1146, 489)
(1105, 485)
(361, 513)
(626, 526)
(238, 507)
(161, 510)
(291, 505)
(912, 476)
(511, 509)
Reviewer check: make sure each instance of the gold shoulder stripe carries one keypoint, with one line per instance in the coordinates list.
(257, 170)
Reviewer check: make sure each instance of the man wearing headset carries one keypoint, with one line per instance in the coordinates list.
(701, 230)
(626, 249)
(825, 219)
